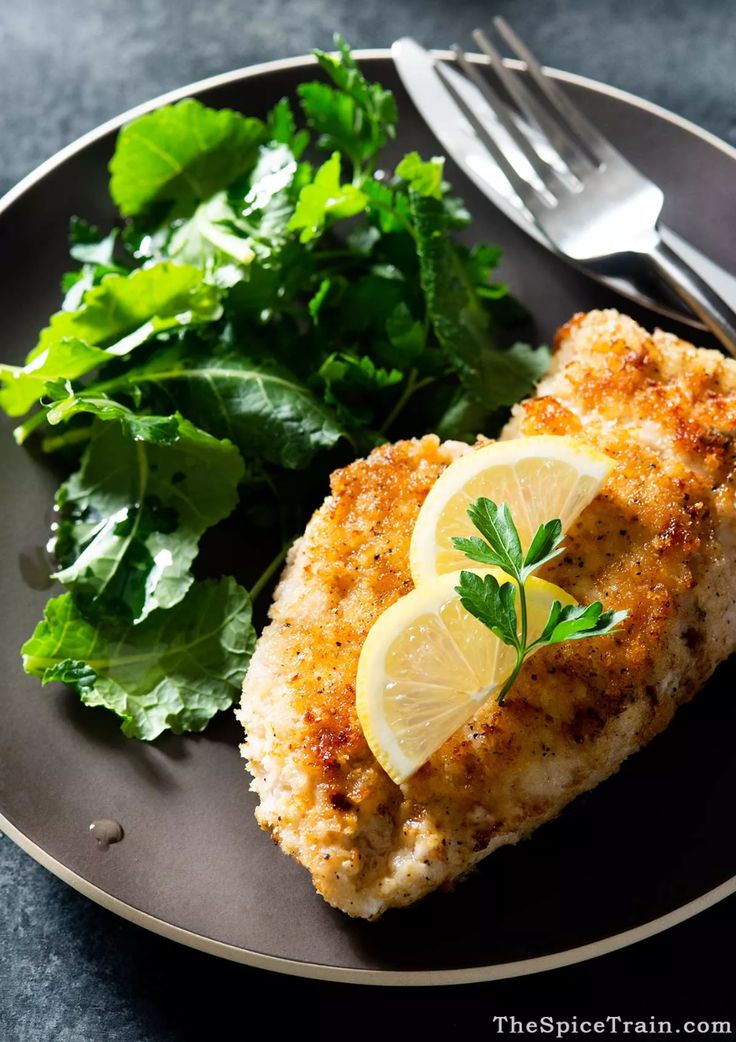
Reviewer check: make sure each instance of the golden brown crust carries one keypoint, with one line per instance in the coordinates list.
(659, 541)
(359, 555)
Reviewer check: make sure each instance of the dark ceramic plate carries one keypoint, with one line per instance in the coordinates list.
(645, 850)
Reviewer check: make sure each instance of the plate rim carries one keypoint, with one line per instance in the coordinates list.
(301, 60)
(354, 975)
(303, 968)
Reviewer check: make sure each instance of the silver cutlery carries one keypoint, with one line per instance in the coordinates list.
(531, 150)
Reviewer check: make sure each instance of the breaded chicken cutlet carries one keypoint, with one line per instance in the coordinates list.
(659, 540)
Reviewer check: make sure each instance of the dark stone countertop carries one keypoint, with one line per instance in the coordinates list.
(72, 972)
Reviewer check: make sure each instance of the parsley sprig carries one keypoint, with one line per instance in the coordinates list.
(494, 603)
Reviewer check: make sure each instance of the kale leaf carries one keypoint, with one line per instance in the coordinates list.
(115, 317)
(262, 407)
(181, 155)
(130, 519)
(173, 671)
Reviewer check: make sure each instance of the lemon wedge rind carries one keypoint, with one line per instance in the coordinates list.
(540, 478)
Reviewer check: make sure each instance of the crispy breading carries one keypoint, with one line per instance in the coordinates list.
(659, 540)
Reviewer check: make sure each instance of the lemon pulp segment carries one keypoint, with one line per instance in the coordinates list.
(427, 665)
(540, 478)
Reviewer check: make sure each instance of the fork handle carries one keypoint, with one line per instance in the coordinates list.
(701, 298)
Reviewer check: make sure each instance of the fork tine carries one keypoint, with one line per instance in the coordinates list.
(546, 173)
(590, 140)
(577, 162)
(529, 196)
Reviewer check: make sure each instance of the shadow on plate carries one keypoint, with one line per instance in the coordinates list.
(152, 760)
(613, 860)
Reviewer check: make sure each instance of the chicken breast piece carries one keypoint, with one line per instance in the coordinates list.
(660, 540)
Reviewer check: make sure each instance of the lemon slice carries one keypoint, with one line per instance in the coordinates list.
(427, 665)
(540, 478)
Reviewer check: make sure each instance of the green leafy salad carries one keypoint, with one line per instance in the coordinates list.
(255, 319)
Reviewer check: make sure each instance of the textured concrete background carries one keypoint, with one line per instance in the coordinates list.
(71, 972)
(67, 65)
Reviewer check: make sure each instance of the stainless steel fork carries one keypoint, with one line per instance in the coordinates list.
(588, 200)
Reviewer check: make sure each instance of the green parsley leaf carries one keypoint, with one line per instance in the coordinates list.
(325, 199)
(544, 546)
(377, 103)
(504, 377)
(464, 419)
(425, 178)
(332, 115)
(368, 301)
(180, 155)
(407, 336)
(502, 547)
(172, 672)
(316, 302)
(352, 382)
(577, 621)
(388, 208)
(480, 261)
(357, 118)
(491, 603)
(282, 128)
(494, 604)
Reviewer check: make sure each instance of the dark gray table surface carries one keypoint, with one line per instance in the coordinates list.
(71, 972)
